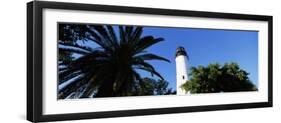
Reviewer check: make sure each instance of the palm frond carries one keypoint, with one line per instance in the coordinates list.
(152, 71)
(140, 64)
(62, 69)
(67, 74)
(146, 42)
(96, 38)
(89, 49)
(151, 57)
(72, 50)
(128, 32)
(64, 79)
(101, 30)
(136, 35)
(122, 35)
(112, 35)
(72, 87)
(102, 78)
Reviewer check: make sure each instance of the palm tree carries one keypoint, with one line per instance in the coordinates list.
(111, 69)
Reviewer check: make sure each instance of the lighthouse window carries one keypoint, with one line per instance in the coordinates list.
(182, 77)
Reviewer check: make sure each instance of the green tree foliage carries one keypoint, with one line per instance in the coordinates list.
(217, 78)
(154, 87)
(108, 70)
(69, 34)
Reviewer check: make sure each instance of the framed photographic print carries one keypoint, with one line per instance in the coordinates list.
(94, 61)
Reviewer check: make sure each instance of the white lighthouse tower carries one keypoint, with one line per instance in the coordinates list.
(181, 68)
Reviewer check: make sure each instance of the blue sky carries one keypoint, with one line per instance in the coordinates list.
(204, 46)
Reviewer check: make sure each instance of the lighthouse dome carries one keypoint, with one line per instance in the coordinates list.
(181, 51)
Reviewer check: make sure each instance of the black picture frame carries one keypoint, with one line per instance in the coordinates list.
(34, 60)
